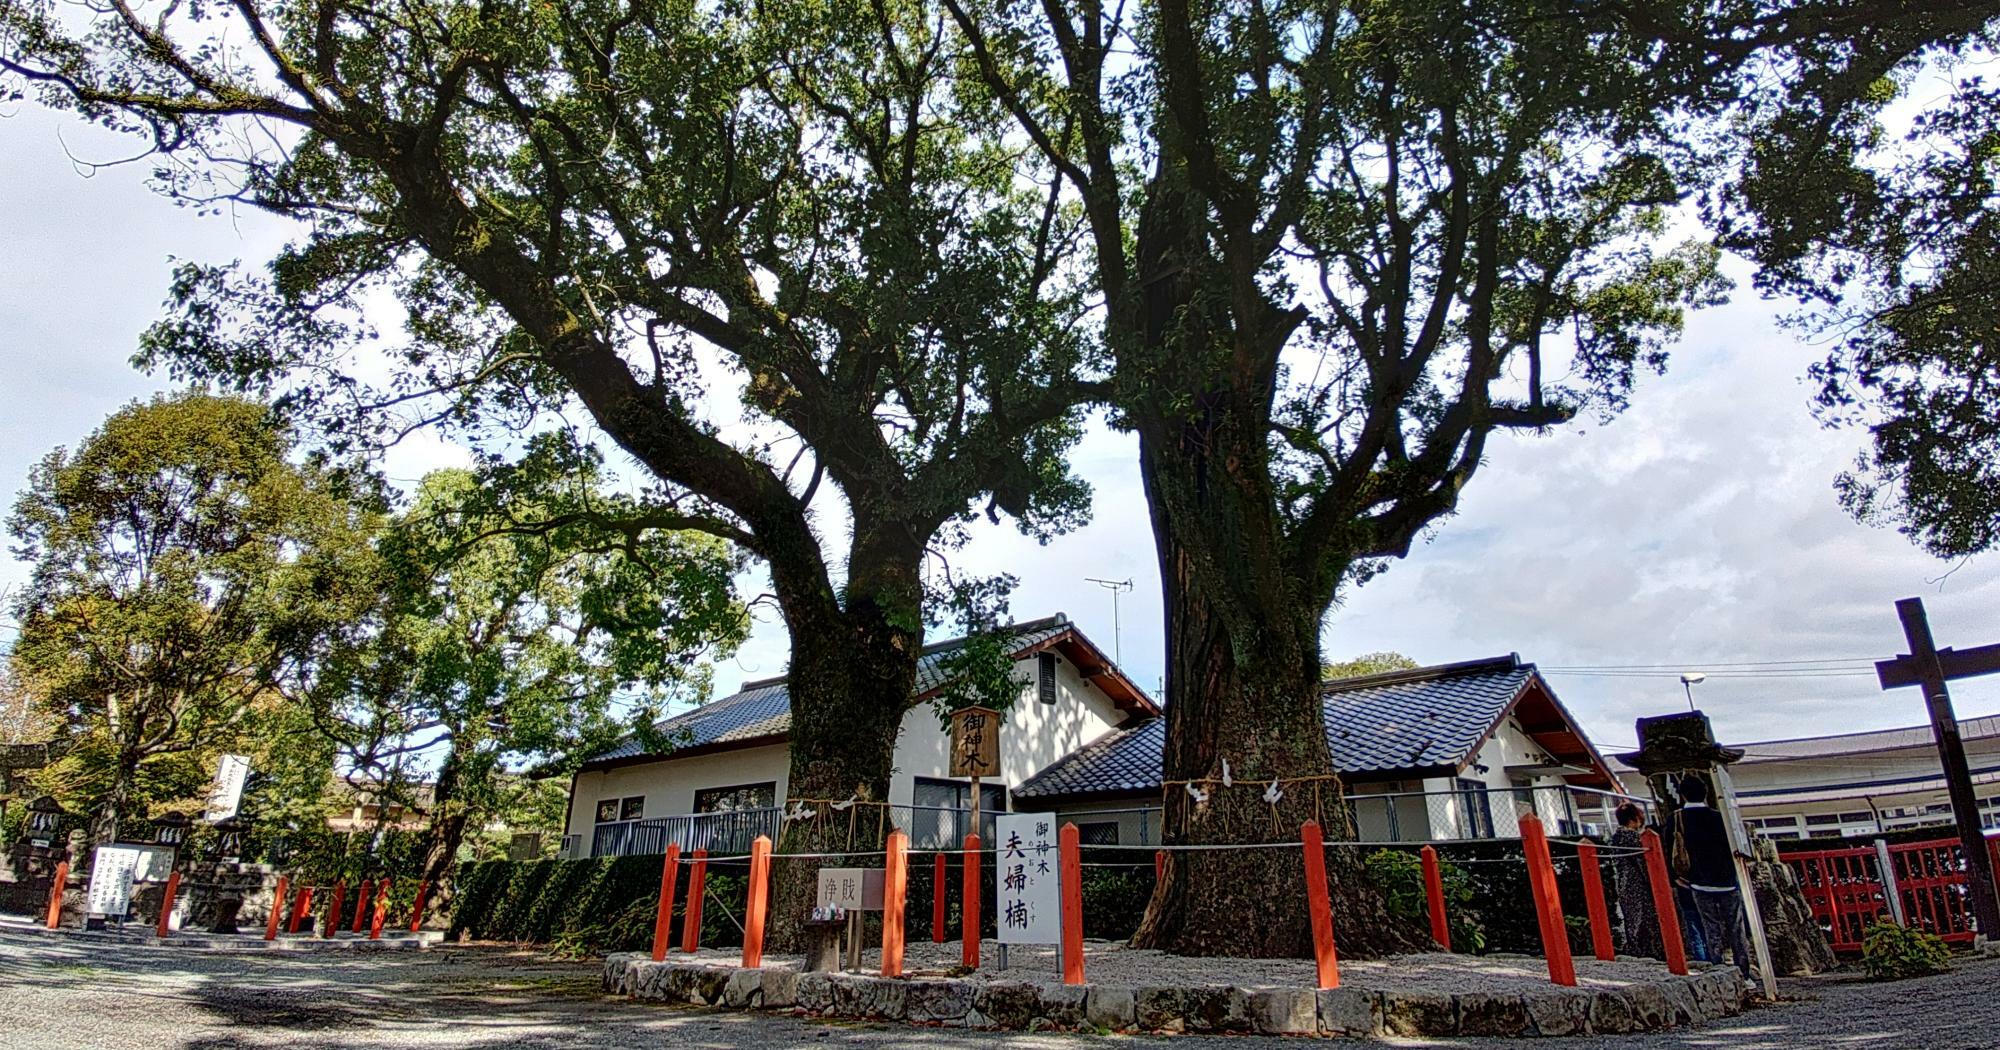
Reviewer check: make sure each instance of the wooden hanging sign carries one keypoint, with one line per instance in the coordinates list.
(975, 742)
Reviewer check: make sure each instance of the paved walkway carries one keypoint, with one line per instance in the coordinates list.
(58, 995)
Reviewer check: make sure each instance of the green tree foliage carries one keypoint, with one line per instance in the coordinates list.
(1892, 244)
(638, 208)
(525, 610)
(185, 568)
(1342, 247)
(1367, 664)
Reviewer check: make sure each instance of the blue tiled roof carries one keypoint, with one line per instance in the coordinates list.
(1378, 725)
(764, 708)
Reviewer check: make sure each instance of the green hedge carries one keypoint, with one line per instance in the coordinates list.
(602, 904)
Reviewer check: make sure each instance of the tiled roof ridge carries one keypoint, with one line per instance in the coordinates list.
(1432, 673)
(1057, 619)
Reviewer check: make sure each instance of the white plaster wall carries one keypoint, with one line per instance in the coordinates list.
(669, 786)
(1033, 736)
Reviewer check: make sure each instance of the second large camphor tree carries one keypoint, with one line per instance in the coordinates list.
(1341, 246)
(649, 211)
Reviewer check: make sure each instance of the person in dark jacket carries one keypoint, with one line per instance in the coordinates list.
(1635, 894)
(1710, 876)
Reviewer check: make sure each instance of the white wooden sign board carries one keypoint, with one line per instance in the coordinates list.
(151, 863)
(227, 794)
(111, 870)
(1025, 866)
(852, 889)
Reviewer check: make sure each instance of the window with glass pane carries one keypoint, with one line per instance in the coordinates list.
(736, 798)
(607, 810)
(633, 808)
(1097, 833)
(940, 811)
(1475, 810)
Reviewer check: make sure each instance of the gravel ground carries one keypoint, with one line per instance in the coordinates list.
(1112, 963)
(62, 995)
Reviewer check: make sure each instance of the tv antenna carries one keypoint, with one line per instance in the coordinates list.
(1116, 587)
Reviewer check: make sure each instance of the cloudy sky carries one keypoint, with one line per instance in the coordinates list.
(1698, 532)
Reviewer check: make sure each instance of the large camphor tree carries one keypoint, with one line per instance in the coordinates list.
(639, 208)
(521, 609)
(1342, 246)
(186, 568)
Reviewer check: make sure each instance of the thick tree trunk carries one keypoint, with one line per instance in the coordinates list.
(446, 832)
(111, 809)
(1242, 628)
(1243, 686)
(852, 670)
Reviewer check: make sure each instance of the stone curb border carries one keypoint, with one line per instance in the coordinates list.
(1021, 1005)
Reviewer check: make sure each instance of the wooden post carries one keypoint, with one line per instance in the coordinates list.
(1318, 907)
(968, 911)
(1548, 902)
(1926, 667)
(167, 903)
(1434, 894)
(938, 875)
(1663, 903)
(1593, 901)
(760, 895)
(300, 909)
(895, 888)
(361, 905)
(381, 910)
(56, 894)
(333, 911)
(1069, 884)
(417, 909)
(277, 909)
(697, 894)
(663, 915)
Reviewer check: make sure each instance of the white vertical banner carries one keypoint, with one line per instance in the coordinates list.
(1030, 905)
(227, 794)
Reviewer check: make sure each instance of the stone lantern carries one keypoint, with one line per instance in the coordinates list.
(44, 817)
(1675, 747)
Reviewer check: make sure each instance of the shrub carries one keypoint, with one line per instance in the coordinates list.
(1892, 952)
(1400, 876)
(601, 904)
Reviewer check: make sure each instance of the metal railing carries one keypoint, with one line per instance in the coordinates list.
(730, 832)
(1462, 813)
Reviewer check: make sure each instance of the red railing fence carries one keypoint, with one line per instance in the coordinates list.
(1847, 891)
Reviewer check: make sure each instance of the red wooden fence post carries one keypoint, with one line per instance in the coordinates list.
(1318, 907)
(1593, 901)
(361, 906)
(968, 910)
(1548, 902)
(381, 910)
(301, 909)
(697, 895)
(1069, 883)
(895, 887)
(937, 898)
(1663, 903)
(663, 916)
(417, 908)
(277, 909)
(167, 902)
(333, 911)
(1434, 896)
(56, 894)
(760, 894)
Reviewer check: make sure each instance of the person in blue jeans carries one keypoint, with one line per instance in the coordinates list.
(1710, 877)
